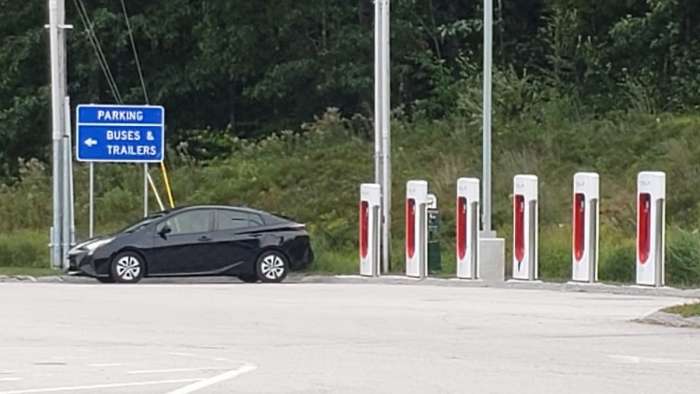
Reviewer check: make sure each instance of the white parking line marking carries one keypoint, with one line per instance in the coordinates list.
(638, 360)
(9, 379)
(99, 386)
(100, 365)
(191, 388)
(182, 354)
(176, 370)
(200, 357)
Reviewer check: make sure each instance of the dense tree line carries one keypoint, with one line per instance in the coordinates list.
(250, 68)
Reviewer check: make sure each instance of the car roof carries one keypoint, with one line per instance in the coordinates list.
(237, 208)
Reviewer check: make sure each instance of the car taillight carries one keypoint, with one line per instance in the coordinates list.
(461, 230)
(579, 225)
(519, 215)
(410, 227)
(644, 227)
(364, 228)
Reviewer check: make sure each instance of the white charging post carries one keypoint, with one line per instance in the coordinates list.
(585, 227)
(651, 223)
(370, 203)
(417, 201)
(467, 228)
(525, 227)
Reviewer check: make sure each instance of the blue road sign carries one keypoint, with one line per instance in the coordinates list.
(120, 133)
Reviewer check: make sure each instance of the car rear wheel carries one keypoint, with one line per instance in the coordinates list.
(272, 267)
(127, 267)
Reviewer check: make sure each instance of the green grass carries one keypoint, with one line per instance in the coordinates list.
(687, 310)
(314, 177)
(31, 271)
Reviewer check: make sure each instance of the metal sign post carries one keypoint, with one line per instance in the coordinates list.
(145, 190)
(91, 208)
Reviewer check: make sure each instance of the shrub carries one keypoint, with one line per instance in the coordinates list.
(683, 258)
(555, 252)
(24, 249)
(617, 259)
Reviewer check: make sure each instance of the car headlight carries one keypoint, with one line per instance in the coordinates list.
(92, 246)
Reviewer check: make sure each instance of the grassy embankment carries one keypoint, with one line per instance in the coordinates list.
(687, 310)
(315, 177)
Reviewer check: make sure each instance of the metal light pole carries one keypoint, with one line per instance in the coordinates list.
(488, 63)
(378, 102)
(386, 134)
(382, 120)
(58, 89)
(491, 248)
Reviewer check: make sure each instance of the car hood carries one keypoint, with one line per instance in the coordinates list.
(93, 240)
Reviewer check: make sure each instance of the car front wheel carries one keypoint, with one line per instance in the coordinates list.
(127, 267)
(272, 267)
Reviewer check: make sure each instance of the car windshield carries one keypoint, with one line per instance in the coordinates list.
(142, 223)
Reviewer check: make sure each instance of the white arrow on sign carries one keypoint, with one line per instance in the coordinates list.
(90, 142)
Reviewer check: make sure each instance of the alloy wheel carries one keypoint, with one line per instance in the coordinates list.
(128, 268)
(272, 267)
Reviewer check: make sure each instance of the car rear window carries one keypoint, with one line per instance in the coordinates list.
(229, 219)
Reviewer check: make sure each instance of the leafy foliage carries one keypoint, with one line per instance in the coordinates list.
(251, 69)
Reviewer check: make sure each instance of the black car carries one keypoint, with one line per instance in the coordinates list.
(198, 241)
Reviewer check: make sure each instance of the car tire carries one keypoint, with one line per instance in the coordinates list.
(105, 279)
(248, 278)
(127, 267)
(272, 266)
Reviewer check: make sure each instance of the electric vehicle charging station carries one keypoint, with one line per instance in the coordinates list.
(417, 201)
(651, 223)
(467, 231)
(370, 203)
(585, 227)
(525, 227)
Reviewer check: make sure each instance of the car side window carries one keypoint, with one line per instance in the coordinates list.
(190, 222)
(227, 219)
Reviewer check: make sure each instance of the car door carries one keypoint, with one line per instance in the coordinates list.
(186, 245)
(235, 239)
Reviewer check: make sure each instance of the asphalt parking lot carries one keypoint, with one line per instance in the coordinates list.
(336, 338)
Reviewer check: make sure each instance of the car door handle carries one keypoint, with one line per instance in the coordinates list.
(204, 238)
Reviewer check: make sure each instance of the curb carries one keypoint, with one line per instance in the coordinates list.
(670, 320)
(600, 288)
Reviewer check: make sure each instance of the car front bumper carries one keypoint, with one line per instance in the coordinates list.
(83, 262)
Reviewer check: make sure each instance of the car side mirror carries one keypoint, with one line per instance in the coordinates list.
(165, 230)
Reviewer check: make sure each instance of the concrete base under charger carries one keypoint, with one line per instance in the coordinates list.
(492, 256)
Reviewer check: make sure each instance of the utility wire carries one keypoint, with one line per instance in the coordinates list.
(97, 47)
(104, 65)
(163, 170)
(136, 53)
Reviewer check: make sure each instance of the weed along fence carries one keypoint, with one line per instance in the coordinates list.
(585, 229)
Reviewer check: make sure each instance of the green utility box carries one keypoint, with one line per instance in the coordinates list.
(434, 254)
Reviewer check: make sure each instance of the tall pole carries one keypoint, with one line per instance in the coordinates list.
(378, 91)
(67, 208)
(91, 207)
(386, 134)
(57, 59)
(145, 190)
(488, 63)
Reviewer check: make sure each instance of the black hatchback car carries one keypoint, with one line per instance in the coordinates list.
(198, 241)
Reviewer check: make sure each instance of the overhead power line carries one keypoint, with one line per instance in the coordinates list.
(136, 53)
(97, 47)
